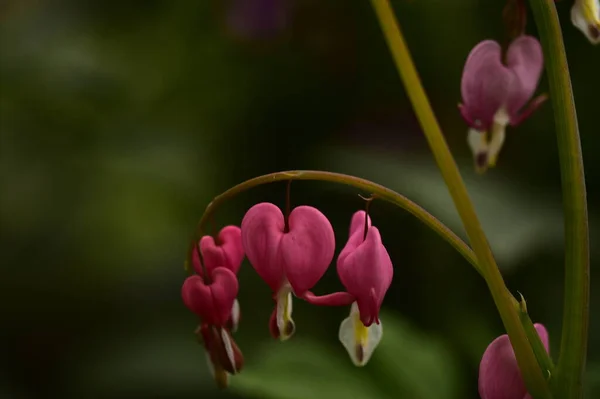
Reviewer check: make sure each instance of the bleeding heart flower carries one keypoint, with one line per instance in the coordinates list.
(290, 258)
(585, 15)
(495, 93)
(223, 355)
(212, 302)
(366, 270)
(226, 251)
(499, 375)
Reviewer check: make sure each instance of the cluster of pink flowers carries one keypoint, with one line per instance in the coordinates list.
(290, 253)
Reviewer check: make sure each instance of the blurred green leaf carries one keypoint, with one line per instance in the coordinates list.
(407, 361)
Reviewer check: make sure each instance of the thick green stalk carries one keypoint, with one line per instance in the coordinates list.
(532, 374)
(570, 368)
(378, 190)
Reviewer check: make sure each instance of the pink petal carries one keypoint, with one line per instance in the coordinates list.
(229, 253)
(484, 84)
(262, 232)
(358, 222)
(213, 302)
(366, 271)
(499, 375)
(307, 249)
(334, 299)
(525, 60)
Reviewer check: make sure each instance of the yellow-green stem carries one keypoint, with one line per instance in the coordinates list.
(570, 368)
(532, 374)
(378, 190)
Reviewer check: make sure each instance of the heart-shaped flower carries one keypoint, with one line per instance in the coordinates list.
(290, 257)
(495, 93)
(212, 302)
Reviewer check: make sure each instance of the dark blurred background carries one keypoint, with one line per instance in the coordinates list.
(121, 120)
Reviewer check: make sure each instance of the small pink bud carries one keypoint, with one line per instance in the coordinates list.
(212, 302)
(226, 252)
(499, 375)
(288, 261)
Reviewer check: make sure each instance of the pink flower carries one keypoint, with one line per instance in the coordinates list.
(290, 258)
(499, 375)
(495, 94)
(366, 270)
(222, 353)
(226, 251)
(212, 302)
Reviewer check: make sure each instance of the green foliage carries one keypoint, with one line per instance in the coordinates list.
(407, 363)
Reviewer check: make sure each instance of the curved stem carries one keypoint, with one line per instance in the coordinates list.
(504, 301)
(570, 367)
(378, 190)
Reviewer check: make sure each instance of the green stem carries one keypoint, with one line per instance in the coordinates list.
(570, 367)
(377, 190)
(532, 374)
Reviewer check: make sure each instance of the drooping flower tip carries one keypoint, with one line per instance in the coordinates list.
(223, 355)
(499, 375)
(585, 15)
(496, 94)
(290, 257)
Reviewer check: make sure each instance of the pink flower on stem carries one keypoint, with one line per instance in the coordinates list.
(290, 256)
(495, 93)
(365, 269)
(212, 302)
(499, 375)
(226, 251)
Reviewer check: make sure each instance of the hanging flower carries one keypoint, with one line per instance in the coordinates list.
(365, 269)
(495, 93)
(289, 255)
(226, 251)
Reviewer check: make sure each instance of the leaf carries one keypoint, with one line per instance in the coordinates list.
(300, 369)
(405, 364)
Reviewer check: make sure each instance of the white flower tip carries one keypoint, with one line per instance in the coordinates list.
(359, 341)
(235, 316)
(285, 323)
(585, 15)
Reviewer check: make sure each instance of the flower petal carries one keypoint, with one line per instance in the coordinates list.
(213, 302)
(585, 15)
(484, 84)
(262, 231)
(229, 253)
(366, 272)
(358, 222)
(307, 249)
(283, 314)
(234, 319)
(499, 375)
(359, 341)
(478, 143)
(525, 60)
